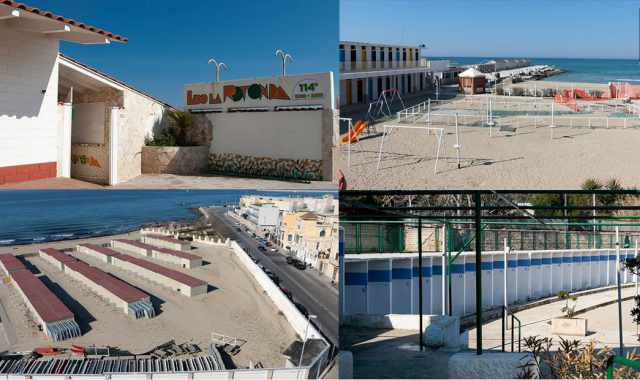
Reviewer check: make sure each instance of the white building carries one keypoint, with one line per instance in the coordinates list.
(326, 204)
(366, 70)
(263, 215)
(58, 117)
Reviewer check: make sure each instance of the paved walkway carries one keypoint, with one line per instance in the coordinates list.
(52, 183)
(600, 310)
(380, 354)
(171, 181)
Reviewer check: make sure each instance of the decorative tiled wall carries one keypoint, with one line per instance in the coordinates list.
(265, 166)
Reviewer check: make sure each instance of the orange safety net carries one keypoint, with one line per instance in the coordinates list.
(623, 90)
(566, 98)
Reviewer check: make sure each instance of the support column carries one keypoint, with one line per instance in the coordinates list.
(113, 146)
(478, 238)
(64, 146)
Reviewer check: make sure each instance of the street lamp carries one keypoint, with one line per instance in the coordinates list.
(284, 56)
(219, 65)
(304, 342)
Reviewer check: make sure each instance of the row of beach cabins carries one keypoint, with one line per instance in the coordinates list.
(140, 257)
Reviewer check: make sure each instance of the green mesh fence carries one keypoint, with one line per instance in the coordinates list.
(395, 237)
(374, 237)
(493, 239)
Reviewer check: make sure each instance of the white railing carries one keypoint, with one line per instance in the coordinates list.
(378, 65)
(350, 130)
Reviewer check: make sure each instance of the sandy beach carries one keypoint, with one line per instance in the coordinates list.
(528, 159)
(235, 306)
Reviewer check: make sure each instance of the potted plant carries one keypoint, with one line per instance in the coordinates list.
(568, 324)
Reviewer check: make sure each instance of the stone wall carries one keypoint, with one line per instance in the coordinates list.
(185, 160)
(230, 163)
(90, 162)
(141, 117)
(201, 132)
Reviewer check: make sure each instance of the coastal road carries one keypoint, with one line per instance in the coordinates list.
(308, 288)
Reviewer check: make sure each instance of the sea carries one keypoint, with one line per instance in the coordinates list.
(577, 70)
(34, 216)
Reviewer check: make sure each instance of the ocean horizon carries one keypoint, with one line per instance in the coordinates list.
(591, 70)
(36, 216)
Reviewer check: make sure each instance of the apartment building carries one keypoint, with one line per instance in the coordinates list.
(366, 70)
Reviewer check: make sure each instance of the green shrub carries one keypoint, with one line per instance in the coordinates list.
(176, 134)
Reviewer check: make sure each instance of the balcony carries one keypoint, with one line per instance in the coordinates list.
(361, 67)
(369, 66)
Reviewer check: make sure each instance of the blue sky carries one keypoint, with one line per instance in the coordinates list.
(170, 42)
(491, 28)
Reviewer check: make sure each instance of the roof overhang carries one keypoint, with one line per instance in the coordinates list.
(29, 19)
(74, 76)
(78, 75)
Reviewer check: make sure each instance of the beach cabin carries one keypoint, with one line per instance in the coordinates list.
(60, 117)
(471, 81)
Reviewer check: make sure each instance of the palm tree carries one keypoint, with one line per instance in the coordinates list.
(182, 121)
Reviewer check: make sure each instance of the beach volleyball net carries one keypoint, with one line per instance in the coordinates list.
(512, 112)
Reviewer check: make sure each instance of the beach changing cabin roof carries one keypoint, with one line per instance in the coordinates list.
(471, 73)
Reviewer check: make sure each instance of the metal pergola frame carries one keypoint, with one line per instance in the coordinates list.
(474, 215)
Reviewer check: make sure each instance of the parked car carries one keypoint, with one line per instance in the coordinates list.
(275, 279)
(262, 248)
(273, 249)
(291, 260)
(300, 265)
(287, 293)
(272, 276)
(302, 309)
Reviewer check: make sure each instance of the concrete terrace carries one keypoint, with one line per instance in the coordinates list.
(230, 306)
(171, 181)
(599, 308)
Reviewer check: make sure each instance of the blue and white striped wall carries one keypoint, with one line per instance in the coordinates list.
(387, 283)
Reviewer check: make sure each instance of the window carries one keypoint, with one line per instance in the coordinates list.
(390, 55)
(353, 53)
(322, 233)
(289, 237)
(374, 54)
(404, 55)
(397, 54)
(381, 54)
(417, 55)
(342, 55)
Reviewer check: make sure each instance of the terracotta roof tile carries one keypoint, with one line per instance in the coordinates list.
(53, 16)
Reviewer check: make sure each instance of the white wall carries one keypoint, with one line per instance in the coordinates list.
(372, 280)
(28, 118)
(283, 134)
(88, 123)
(268, 215)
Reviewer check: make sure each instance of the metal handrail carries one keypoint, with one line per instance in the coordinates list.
(505, 312)
(513, 317)
(620, 360)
